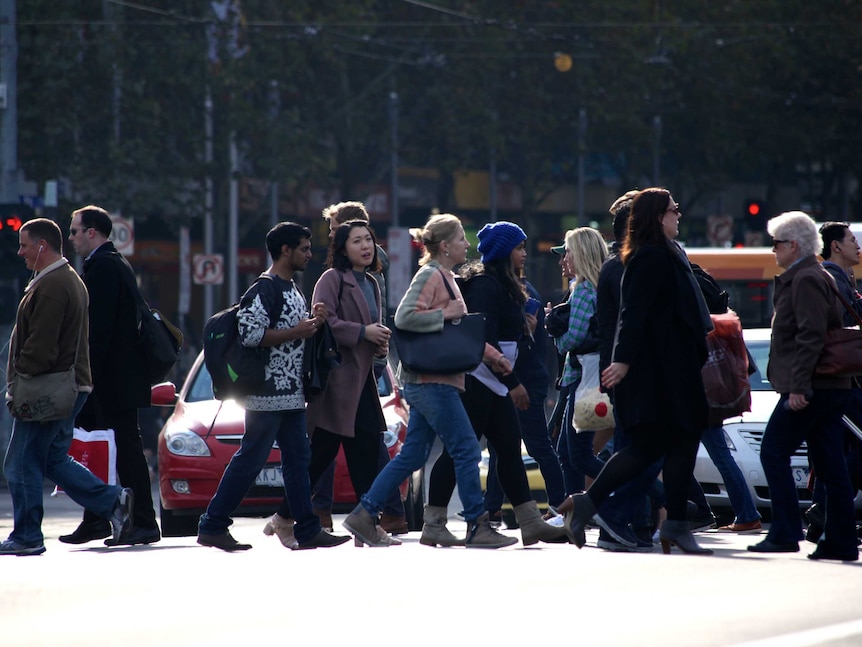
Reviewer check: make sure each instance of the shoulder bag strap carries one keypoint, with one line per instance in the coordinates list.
(446, 283)
(844, 301)
(143, 307)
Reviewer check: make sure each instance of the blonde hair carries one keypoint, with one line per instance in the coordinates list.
(438, 229)
(589, 251)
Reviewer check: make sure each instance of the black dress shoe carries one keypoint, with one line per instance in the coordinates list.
(767, 546)
(136, 536)
(841, 556)
(224, 542)
(88, 531)
(323, 540)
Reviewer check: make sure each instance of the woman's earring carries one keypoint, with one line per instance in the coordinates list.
(447, 253)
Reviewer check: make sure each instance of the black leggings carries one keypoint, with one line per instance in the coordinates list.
(362, 453)
(496, 418)
(650, 443)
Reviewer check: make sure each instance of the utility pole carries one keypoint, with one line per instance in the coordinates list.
(8, 102)
(393, 121)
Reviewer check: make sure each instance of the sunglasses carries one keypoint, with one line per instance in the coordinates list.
(778, 241)
(74, 232)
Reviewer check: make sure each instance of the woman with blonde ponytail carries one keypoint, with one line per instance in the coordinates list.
(435, 404)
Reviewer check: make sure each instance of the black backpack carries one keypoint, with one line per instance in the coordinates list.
(159, 340)
(236, 371)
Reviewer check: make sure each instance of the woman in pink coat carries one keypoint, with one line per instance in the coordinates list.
(347, 412)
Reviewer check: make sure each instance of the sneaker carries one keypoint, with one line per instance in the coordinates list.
(702, 521)
(121, 516)
(751, 526)
(606, 542)
(621, 533)
(12, 547)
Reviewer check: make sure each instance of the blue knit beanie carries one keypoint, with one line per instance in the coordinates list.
(498, 239)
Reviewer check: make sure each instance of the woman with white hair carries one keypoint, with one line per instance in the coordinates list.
(810, 407)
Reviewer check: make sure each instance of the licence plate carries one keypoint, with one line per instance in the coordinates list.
(800, 477)
(270, 477)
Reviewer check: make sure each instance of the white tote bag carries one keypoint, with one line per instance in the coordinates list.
(593, 409)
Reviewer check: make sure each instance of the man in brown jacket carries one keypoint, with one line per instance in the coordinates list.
(49, 336)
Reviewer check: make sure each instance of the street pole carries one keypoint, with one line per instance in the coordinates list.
(393, 120)
(656, 150)
(208, 196)
(582, 138)
(8, 102)
(233, 223)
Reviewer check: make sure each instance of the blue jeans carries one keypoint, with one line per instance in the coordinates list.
(737, 490)
(534, 433)
(262, 429)
(41, 449)
(435, 410)
(819, 424)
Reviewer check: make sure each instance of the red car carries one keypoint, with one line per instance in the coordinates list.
(199, 439)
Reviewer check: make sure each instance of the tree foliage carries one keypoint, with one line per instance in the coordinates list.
(111, 94)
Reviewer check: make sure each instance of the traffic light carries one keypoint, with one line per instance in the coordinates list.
(754, 213)
(12, 216)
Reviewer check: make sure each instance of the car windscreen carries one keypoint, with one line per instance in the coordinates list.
(760, 352)
(202, 386)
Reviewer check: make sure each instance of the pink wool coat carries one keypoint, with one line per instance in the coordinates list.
(335, 408)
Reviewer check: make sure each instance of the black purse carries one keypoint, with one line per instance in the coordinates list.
(457, 348)
(320, 356)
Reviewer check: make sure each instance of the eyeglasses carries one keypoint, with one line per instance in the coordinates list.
(674, 210)
(74, 232)
(778, 241)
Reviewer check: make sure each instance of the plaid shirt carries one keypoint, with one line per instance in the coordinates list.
(583, 305)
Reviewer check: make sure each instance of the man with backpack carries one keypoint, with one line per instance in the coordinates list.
(275, 412)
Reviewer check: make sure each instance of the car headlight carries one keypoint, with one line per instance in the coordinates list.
(184, 442)
(390, 435)
(728, 442)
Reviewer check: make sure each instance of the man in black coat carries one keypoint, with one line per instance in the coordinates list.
(120, 382)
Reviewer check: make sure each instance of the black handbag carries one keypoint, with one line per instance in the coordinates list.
(320, 356)
(457, 348)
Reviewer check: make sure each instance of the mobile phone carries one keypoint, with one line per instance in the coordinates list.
(531, 307)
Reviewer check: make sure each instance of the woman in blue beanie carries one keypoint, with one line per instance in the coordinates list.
(492, 392)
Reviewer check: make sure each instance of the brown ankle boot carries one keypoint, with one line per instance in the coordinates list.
(282, 527)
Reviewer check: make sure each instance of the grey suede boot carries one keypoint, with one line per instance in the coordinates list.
(434, 531)
(364, 529)
(535, 529)
(678, 533)
(480, 534)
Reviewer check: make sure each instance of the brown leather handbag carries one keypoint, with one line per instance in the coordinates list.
(842, 349)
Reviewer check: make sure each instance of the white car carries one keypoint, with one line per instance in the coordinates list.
(744, 435)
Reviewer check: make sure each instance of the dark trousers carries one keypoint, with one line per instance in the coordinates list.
(534, 432)
(819, 424)
(649, 443)
(496, 418)
(132, 468)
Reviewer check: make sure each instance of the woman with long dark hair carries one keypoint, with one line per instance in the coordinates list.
(492, 392)
(655, 371)
(347, 412)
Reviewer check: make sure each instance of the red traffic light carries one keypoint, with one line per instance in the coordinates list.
(12, 223)
(753, 208)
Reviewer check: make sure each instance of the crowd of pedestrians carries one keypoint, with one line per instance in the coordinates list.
(636, 320)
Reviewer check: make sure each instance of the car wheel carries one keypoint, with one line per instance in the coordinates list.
(414, 505)
(178, 525)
